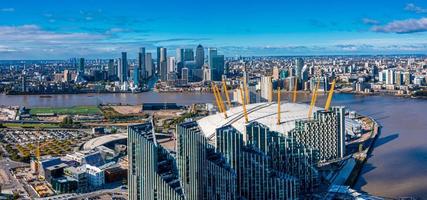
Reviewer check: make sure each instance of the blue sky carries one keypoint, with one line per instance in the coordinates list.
(58, 29)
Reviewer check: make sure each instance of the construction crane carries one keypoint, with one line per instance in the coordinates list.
(313, 99)
(278, 105)
(218, 100)
(295, 90)
(245, 85)
(331, 93)
(224, 87)
(244, 105)
(37, 157)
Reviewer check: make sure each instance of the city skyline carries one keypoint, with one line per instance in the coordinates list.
(91, 29)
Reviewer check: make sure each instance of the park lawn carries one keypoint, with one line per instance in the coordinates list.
(17, 125)
(75, 110)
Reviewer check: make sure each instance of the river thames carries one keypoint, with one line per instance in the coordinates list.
(397, 167)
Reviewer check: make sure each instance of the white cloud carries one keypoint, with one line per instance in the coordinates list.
(370, 21)
(413, 8)
(403, 26)
(6, 49)
(33, 33)
(7, 9)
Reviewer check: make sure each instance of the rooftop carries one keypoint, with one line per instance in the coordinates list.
(95, 142)
(264, 113)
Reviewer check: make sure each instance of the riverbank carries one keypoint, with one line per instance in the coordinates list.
(362, 157)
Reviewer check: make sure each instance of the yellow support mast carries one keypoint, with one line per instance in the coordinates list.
(246, 90)
(221, 103)
(295, 90)
(219, 100)
(278, 105)
(216, 98)
(271, 93)
(313, 99)
(330, 95)
(244, 105)
(224, 87)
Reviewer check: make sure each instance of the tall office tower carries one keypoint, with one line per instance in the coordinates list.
(299, 64)
(179, 61)
(74, 63)
(112, 71)
(188, 54)
(267, 159)
(200, 56)
(149, 64)
(325, 133)
(204, 173)
(157, 68)
(179, 55)
(211, 53)
(275, 73)
(217, 67)
(141, 64)
(266, 88)
(163, 64)
(119, 69)
(136, 76)
(171, 64)
(153, 173)
(81, 70)
(123, 68)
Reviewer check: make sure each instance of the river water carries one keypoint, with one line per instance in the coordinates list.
(397, 167)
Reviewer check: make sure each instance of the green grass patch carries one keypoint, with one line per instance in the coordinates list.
(76, 110)
(16, 125)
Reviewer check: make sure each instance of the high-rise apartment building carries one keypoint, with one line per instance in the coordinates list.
(268, 159)
(325, 133)
(204, 172)
(153, 173)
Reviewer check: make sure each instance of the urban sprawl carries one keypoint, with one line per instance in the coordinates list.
(256, 140)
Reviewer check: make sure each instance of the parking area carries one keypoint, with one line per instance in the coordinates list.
(20, 145)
